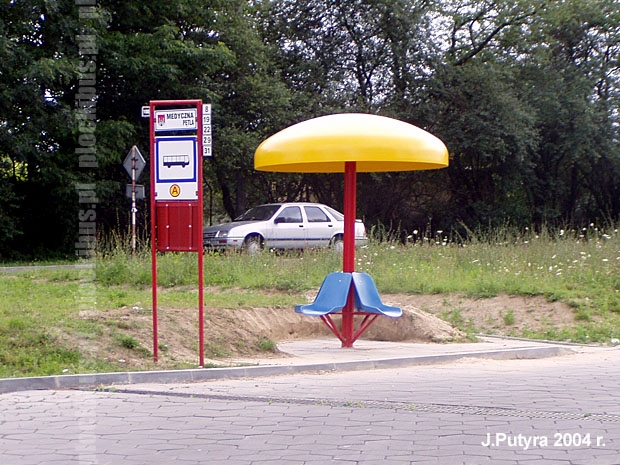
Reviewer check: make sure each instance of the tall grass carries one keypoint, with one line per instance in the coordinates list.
(561, 265)
(116, 265)
(35, 307)
(579, 267)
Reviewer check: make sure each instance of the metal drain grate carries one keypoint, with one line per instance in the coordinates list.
(387, 405)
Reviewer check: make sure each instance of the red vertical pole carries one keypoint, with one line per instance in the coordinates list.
(201, 332)
(201, 318)
(350, 179)
(153, 232)
(348, 256)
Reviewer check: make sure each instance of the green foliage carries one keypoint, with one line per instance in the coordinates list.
(26, 345)
(527, 106)
(123, 269)
(267, 345)
(216, 349)
(42, 310)
(127, 341)
(508, 317)
(455, 318)
(9, 228)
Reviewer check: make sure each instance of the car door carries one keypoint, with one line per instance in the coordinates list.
(319, 227)
(288, 229)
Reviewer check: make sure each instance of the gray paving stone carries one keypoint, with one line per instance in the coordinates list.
(409, 415)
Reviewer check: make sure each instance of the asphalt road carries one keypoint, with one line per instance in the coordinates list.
(559, 410)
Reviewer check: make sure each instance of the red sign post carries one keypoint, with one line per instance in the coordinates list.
(177, 133)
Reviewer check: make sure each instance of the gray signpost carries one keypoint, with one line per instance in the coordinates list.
(134, 165)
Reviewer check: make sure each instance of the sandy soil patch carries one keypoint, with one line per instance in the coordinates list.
(234, 332)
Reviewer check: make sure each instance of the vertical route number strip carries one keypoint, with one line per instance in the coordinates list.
(207, 150)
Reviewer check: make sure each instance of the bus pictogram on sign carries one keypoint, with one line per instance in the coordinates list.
(176, 160)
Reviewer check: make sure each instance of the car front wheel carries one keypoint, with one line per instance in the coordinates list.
(253, 245)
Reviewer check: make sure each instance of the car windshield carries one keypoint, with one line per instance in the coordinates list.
(260, 213)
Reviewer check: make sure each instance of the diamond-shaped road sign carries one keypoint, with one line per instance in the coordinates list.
(134, 153)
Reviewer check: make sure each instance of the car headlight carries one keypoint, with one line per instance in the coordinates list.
(222, 234)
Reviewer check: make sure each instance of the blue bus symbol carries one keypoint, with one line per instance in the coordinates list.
(176, 160)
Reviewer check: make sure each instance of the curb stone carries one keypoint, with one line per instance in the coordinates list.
(200, 374)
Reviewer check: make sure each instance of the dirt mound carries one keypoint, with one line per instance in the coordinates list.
(128, 335)
(501, 315)
(281, 325)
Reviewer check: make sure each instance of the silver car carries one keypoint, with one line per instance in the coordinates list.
(283, 226)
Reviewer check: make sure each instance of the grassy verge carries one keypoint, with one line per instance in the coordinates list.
(43, 329)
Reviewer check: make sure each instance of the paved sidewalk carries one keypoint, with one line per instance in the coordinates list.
(317, 351)
(308, 355)
(498, 402)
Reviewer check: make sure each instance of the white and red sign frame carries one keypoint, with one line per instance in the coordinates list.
(177, 135)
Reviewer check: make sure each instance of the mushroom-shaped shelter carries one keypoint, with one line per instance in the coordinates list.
(349, 143)
(374, 143)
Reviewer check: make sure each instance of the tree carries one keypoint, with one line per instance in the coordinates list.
(252, 105)
(524, 94)
(520, 106)
(128, 54)
(356, 56)
(149, 51)
(572, 82)
(185, 50)
(35, 69)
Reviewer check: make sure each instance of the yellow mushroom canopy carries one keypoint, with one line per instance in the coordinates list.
(375, 143)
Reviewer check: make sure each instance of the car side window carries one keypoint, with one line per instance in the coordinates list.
(316, 215)
(336, 214)
(290, 215)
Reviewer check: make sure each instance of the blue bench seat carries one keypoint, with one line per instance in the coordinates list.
(333, 294)
(367, 297)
